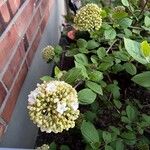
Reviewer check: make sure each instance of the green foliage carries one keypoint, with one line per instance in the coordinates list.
(109, 64)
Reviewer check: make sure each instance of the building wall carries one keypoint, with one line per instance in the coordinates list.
(16, 129)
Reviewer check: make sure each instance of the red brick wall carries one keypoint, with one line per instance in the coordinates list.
(22, 23)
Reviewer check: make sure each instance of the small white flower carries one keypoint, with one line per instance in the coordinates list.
(32, 97)
(61, 108)
(75, 105)
(48, 131)
(51, 87)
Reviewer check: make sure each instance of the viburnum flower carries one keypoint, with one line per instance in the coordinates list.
(53, 106)
(43, 147)
(119, 13)
(88, 18)
(48, 53)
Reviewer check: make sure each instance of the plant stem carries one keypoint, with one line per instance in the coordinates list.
(111, 45)
(143, 8)
(79, 83)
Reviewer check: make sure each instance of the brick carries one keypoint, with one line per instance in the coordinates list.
(24, 18)
(33, 25)
(3, 93)
(45, 20)
(2, 129)
(43, 6)
(4, 12)
(14, 5)
(7, 42)
(33, 48)
(14, 93)
(14, 66)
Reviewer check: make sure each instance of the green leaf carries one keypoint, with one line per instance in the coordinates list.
(105, 66)
(107, 137)
(110, 34)
(64, 147)
(125, 2)
(146, 118)
(58, 49)
(58, 72)
(115, 130)
(86, 96)
(107, 147)
(125, 23)
(117, 103)
(94, 87)
(128, 135)
(143, 79)
(145, 48)
(130, 68)
(125, 119)
(119, 145)
(46, 78)
(114, 89)
(131, 113)
(83, 70)
(81, 58)
(53, 146)
(127, 32)
(81, 43)
(101, 52)
(122, 55)
(72, 75)
(90, 116)
(147, 21)
(94, 59)
(92, 44)
(71, 52)
(95, 76)
(90, 133)
(133, 48)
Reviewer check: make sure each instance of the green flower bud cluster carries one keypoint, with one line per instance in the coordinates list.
(88, 18)
(53, 106)
(43, 147)
(119, 12)
(48, 53)
(119, 9)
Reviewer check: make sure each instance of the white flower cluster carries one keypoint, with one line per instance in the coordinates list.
(43, 147)
(53, 106)
(88, 18)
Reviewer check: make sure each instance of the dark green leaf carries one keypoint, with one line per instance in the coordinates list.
(72, 75)
(95, 76)
(92, 44)
(125, 22)
(86, 96)
(131, 113)
(101, 52)
(89, 132)
(130, 68)
(107, 137)
(53, 146)
(142, 79)
(81, 58)
(107, 147)
(64, 147)
(94, 87)
(81, 43)
(110, 34)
